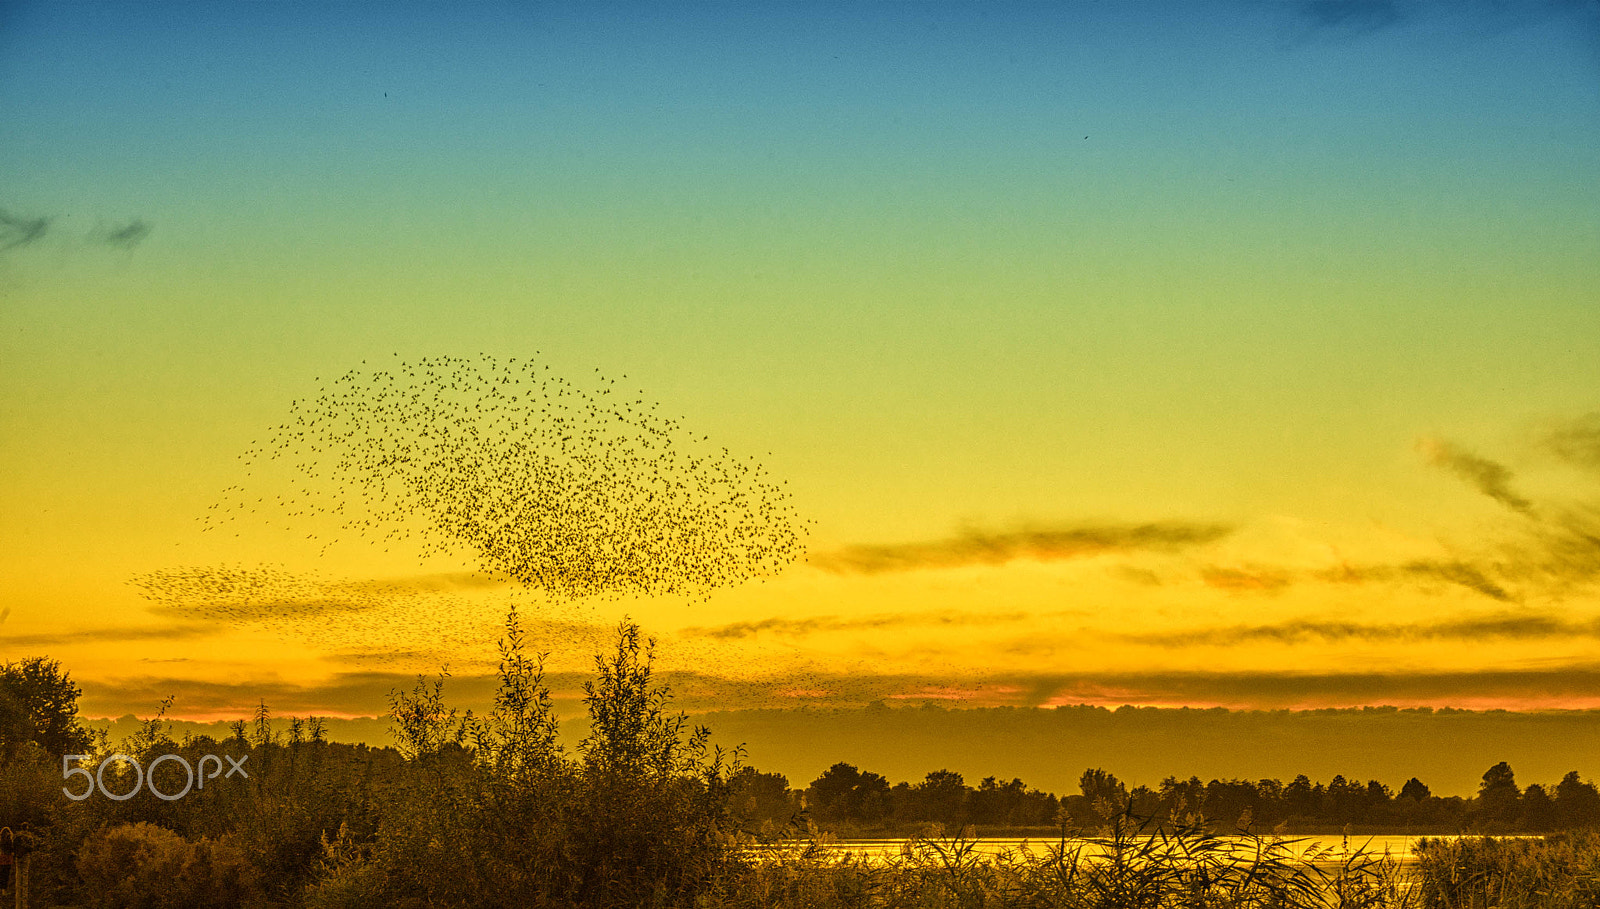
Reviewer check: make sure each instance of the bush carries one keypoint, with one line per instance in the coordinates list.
(490, 812)
(142, 866)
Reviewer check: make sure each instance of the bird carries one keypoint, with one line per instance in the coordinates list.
(556, 493)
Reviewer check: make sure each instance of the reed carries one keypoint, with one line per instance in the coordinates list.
(1561, 871)
(1132, 863)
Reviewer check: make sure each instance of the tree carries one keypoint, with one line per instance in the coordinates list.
(39, 703)
(1010, 804)
(1378, 795)
(1538, 810)
(1342, 803)
(761, 797)
(1097, 784)
(1231, 803)
(991, 802)
(1416, 790)
(942, 797)
(631, 732)
(1302, 799)
(1498, 797)
(1577, 802)
(1181, 799)
(844, 792)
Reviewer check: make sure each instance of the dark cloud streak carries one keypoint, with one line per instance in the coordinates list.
(978, 548)
(1578, 442)
(826, 623)
(127, 236)
(1491, 478)
(1457, 572)
(1351, 15)
(17, 231)
(115, 635)
(1513, 626)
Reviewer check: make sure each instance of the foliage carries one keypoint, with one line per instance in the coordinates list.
(39, 704)
(849, 800)
(29, 781)
(1559, 872)
(142, 866)
(491, 812)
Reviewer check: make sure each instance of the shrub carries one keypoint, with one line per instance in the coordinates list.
(489, 811)
(142, 866)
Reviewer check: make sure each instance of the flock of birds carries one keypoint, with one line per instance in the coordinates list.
(543, 489)
(573, 492)
(416, 626)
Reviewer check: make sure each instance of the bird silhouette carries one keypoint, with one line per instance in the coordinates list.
(551, 492)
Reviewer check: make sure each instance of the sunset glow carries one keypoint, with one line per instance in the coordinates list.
(1241, 355)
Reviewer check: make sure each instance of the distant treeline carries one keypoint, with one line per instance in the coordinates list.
(849, 800)
(1050, 746)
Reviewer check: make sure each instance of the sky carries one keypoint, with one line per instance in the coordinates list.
(1211, 354)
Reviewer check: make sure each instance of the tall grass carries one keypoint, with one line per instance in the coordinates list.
(1133, 864)
(1556, 872)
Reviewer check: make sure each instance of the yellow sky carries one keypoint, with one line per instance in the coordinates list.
(1242, 360)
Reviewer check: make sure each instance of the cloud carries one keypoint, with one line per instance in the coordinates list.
(1499, 626)
(1456, 572)
(411, 658)
(1567, 549)
(1560, 549)
(17, 231)
(1556, 550)
(977, 548)
(1491, 478)
(1577, 442)
(1260, 579)
(451, 612)
(347, 693)
(1235, 579)
(367, 693)
(1349, 18)
(1563, 685)
(127, 236)
(826, 623)
(114, 635)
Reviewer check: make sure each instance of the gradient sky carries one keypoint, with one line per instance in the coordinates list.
(1202, 353)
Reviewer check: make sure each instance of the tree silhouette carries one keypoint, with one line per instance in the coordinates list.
(39, 704)
(1577, 802)
(1415, 789)
(845, 792)
(1498, 802)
